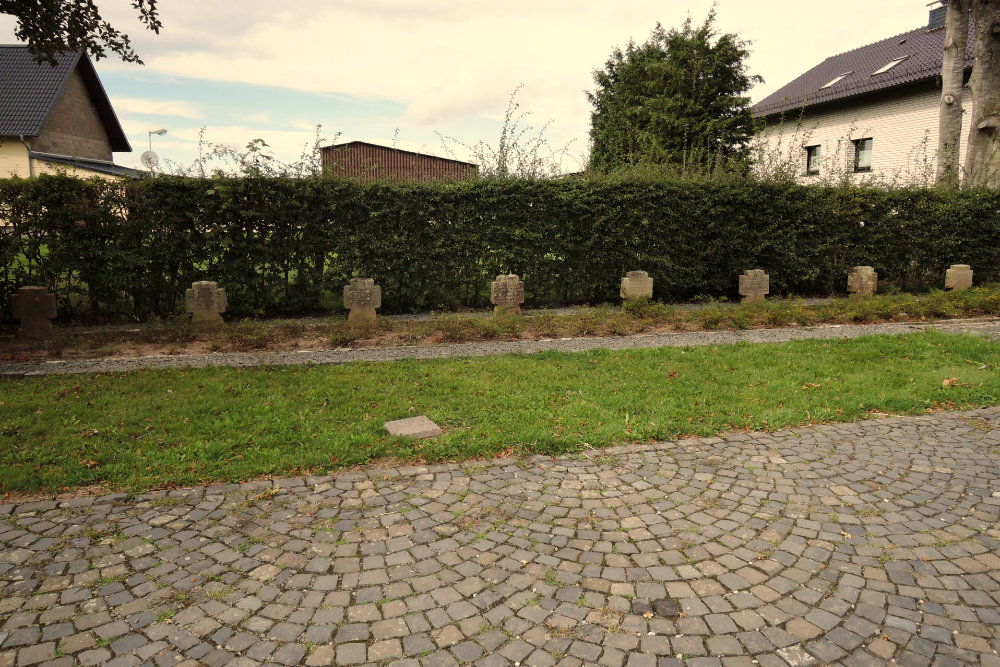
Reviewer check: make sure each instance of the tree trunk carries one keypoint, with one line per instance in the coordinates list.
(982, 164)
(952, 73)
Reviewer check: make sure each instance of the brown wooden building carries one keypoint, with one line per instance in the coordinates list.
(371, 162)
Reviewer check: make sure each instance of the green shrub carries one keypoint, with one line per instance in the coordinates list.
(128, 250)
(646, 309)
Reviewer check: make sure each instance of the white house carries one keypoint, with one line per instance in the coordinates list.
(867, 114)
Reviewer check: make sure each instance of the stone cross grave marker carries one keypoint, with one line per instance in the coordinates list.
(507, 293)
(206, 302)
(862, 280)
(958, 277)
(637, 284)
(754, 284)
(34, 307)
(362, 297)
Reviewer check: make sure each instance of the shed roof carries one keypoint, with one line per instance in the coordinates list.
(922, 53)
(337, 147)
(29, 92)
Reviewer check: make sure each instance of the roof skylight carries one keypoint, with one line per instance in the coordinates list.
(889, 65)
(834, 80)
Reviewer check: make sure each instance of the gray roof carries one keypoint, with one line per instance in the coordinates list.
(334, 147)
(100, 166)
(922, 48)
(29, 91)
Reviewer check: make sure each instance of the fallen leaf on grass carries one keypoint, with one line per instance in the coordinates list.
(88, 463)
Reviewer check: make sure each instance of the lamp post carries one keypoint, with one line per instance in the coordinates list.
(159, 132)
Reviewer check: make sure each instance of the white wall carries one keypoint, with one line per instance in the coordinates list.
(13, 158)
(14, 161)
(904, 130)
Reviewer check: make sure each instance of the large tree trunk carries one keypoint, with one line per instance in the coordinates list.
(982, 164)
(952, 80)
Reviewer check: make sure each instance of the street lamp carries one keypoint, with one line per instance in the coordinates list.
(159, 132)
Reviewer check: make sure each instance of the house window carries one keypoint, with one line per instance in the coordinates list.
(863, 154)
(812, 159)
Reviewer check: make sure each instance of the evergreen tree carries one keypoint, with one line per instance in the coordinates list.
(677, 99)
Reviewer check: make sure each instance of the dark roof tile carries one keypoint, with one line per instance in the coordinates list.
(923, 51)
(29, 91)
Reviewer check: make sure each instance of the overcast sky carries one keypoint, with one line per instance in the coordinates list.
(367, 68)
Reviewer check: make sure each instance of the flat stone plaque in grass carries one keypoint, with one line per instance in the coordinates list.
(413, 427)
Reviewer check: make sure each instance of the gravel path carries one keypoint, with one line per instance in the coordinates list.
(988, 327)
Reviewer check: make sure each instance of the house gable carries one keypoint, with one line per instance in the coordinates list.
(74, 127)
(32, 93)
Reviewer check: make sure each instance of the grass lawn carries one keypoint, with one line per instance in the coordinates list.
(153, 428)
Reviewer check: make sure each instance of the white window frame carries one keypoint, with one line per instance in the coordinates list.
(862, 146)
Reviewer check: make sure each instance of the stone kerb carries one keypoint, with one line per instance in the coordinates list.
(507, 294)
(362, 296)
(206, 302)
(35, 307)
(862, 281)
(637, 285)
(958, 277)
(754, 285)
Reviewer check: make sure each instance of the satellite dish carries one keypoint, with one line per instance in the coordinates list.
(149, 160)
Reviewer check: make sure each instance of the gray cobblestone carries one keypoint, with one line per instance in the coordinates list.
(847, 544)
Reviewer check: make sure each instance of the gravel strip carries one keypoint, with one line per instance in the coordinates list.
(989, 327)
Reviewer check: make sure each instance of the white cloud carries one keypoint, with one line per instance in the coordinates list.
(152, 107)
(445, 59)
(447, 62)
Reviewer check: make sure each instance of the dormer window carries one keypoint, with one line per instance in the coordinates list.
(835, 80)
(889, 65)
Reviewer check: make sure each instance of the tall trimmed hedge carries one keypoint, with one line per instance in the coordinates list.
(286, 246)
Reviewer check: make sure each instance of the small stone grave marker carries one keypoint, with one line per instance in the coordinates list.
(862, 280)
(362, 297)
(507, 293)
(958, 277)
(413, 427)
(636, 285)
(206, 302)
(754, 284)
(34, 307)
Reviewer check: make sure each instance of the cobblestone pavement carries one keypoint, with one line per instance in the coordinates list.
(989, 327)
(850, 543)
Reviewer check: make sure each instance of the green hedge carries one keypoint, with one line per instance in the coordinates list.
(285, 246)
